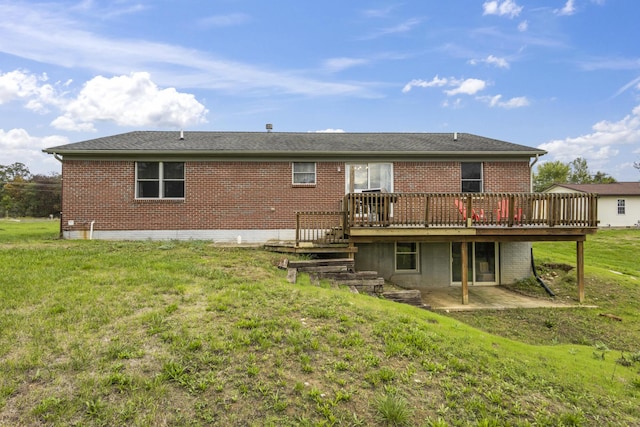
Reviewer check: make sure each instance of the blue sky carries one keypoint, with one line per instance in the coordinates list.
(562, 75)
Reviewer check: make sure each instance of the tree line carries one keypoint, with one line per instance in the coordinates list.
(23, 194)
(575, 172)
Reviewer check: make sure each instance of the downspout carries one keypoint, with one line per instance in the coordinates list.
(538, 278)
(91, 230)
(531, 172)
(58, 158)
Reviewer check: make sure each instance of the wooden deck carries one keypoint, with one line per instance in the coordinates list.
(453, 217)
(379, 217)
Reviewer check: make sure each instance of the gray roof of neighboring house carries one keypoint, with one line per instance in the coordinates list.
(294, 143)
(612, 189)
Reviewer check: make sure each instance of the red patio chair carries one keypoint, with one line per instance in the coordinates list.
(462, 207)
(502, 213)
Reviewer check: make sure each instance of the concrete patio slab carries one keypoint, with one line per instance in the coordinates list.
(487, 298)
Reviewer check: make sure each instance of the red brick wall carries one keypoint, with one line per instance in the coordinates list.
(218, 195)
(426, 177)
(445, 177)
(243, 195)
(506, 177)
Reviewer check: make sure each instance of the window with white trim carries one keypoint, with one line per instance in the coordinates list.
(621, 207)
(471, 177)
(406, 256)
(304, 173)
(367, 176)
(160, 180)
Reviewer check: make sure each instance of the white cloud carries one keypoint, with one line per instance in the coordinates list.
(568, 9)
(330, 131)
(460, 87)
(502, 8)
(19, 146)
(435, 82)
(339, 64)
(491, 60)
(496, 101)
(20, 85)
(523, 26)
(133, 100)
(403, 27)
(378, 13)
(454, 104)
(224, 20)
(467, 87)
(48, 34)
(602, 143)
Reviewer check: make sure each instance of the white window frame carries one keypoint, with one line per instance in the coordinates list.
(622, 208)
(294, 173)
(347, 180)
(161, 180)
(415, 253)
(481, 179)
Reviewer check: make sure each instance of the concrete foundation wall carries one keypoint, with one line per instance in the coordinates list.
(434, 268)
(515, 261)
(216, 236)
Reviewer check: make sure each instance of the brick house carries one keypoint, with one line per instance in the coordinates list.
(423, 209)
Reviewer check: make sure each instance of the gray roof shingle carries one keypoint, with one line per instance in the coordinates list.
(290, 143)
(611, 189)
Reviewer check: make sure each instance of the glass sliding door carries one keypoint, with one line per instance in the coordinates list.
(481, 263)
(367, 176)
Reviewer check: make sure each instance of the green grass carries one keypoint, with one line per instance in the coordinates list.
(183, 333)
(612, 284)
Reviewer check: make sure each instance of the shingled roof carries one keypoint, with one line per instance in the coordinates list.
(290, 143)
(611, 189)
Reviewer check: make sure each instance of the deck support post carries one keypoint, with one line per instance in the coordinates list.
(580, 269)
(465, 272)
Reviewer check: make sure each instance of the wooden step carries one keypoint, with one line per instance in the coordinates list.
(349, 275)
(408, 296)
(321, 262)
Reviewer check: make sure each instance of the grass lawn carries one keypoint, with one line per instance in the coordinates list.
(185, 333)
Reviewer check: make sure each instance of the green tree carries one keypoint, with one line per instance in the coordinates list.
(602, 178)
(24, 194)
(579, 172)
(11, 172)
(575, 172)
(549, 173)
(43, 195)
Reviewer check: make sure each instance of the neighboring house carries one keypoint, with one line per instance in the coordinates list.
(618, 202)
(422, 209)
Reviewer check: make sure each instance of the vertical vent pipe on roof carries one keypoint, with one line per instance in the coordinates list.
(269, 127)
(181, 134)
(455, 136)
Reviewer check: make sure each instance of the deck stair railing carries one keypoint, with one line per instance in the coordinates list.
(321, 227)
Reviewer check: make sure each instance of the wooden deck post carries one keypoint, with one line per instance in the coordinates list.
(465, 272)
(580, 269)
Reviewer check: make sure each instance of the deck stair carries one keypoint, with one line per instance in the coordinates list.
(339, 271)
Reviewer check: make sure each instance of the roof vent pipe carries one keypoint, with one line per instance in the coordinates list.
(181, 134)
(269, 127)
(455, 136)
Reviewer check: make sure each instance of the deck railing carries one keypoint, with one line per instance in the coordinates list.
(471, 209)
(535, 210)
(321, 227)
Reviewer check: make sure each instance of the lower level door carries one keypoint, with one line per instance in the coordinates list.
(481, 263)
